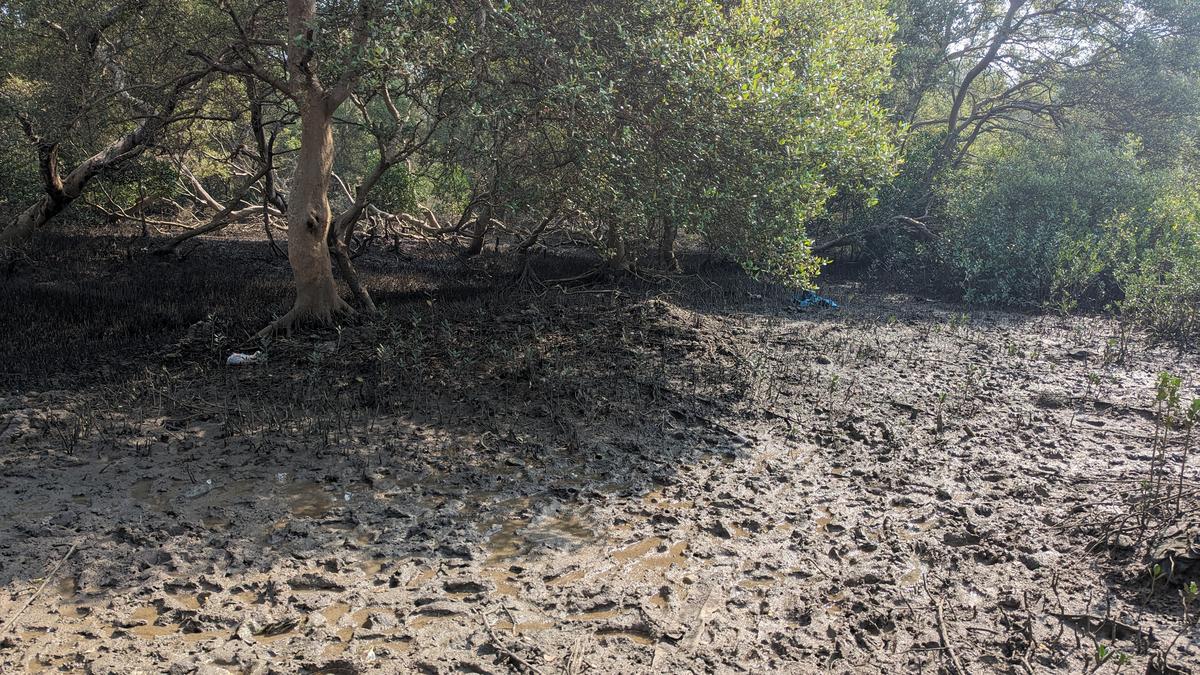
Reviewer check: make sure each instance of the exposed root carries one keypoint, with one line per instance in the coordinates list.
(527, 280)
(299, 316)
(603, 273)
(595, 274)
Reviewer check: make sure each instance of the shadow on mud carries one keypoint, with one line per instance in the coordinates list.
(464, 428)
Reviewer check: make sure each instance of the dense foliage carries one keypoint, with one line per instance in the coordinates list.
(1051, 148)
(1019, 152)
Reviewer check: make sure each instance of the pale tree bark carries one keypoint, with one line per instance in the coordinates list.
(618, 259)
(483, 217)
(308, 216)
(61, 191)
(479, 230)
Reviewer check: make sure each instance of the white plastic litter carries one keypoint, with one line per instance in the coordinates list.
(239, 359)
(199, 490)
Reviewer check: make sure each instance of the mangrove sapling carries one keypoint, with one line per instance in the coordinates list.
(1105, 653)
(1189, 423)
(1167, 410)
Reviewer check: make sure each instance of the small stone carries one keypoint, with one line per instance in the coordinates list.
(381, 620)
(720, 529)
(317, 619)
(245, 632)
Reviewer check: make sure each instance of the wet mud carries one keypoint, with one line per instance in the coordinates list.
(598, 484)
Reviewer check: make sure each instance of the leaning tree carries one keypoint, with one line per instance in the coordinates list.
(94, 85)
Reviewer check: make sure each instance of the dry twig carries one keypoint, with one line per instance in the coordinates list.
(12, 621)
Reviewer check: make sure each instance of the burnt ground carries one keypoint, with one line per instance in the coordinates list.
(508, 475)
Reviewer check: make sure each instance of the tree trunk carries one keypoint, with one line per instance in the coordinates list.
(341, 254)
(942, 157)
(37, 214)
(618, 260)
(666, 245)
(60, 191)
(478, 230)
(341, 231)
(340, 235)
(308, 217)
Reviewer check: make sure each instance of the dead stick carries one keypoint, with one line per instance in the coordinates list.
(505, 650)
(576, 660)
(945, 637)
(511, 618)
(12, 621)
(1030, 635)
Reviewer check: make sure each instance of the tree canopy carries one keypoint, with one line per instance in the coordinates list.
(879, 129)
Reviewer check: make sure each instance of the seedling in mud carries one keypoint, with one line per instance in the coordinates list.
(1117, 349)
(1092, 388)
(1104, 654)
(1168, 390)
(1157, 576)
(1154, 495)
(1187, 595)
(1189, 424)
(960, 321)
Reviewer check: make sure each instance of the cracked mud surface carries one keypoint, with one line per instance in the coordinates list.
(595, 482)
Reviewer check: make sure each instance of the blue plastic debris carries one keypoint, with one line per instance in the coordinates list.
(810, 299)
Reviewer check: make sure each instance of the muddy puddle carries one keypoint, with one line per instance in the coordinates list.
(519, 534)
(301, 498)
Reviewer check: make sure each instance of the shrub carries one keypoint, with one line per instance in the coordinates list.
(1028, 222)
(1071, 221)
(1161, 280)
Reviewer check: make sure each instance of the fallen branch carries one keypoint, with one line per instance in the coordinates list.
(225, 217)
(944, 635)
(504, 650)
(533, 236)
(913, 226)
(12, 621)
(1097, 625)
